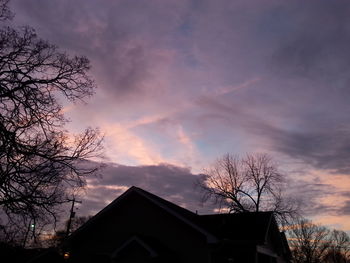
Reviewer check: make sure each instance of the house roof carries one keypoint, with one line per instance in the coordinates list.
(180, 213)
(178, 209)
(249, 227)
(242, 226)
(238, 227)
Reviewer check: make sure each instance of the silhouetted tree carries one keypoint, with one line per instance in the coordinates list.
(249, 184)
(312, 243)
(339, 250)
(309, 242)
(39, 159)
(14, 234)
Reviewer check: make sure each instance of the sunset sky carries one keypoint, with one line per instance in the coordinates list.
(182, 82)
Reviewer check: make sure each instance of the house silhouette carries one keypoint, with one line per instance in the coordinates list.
(141, 227)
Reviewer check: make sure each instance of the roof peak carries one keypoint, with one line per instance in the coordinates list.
(177, 211)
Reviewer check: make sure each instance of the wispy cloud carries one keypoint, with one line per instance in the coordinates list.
(185, 81)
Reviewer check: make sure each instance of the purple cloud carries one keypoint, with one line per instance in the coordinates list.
(186, 81)
(176, 184)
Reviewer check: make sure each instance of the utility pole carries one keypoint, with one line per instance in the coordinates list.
(72, 214)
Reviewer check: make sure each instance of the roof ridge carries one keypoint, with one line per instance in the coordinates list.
(101, 212)
(240, 213)
(185, 218)
(181, 213)
(173, 205)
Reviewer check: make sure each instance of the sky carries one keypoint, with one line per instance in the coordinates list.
(182, 82)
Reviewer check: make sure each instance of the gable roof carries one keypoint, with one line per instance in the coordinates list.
(178, 212)
(135, 239)
(178, 209)
(250, 227)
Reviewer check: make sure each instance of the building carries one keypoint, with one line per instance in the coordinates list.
(141, 227)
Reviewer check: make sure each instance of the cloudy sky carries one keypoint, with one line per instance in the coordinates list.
(181, 82)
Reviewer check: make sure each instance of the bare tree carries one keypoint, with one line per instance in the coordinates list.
(249, 184)
(309, 242)
(15, 233)
(313, 243)
(339, 250)
(5, 12)
(39, 159)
